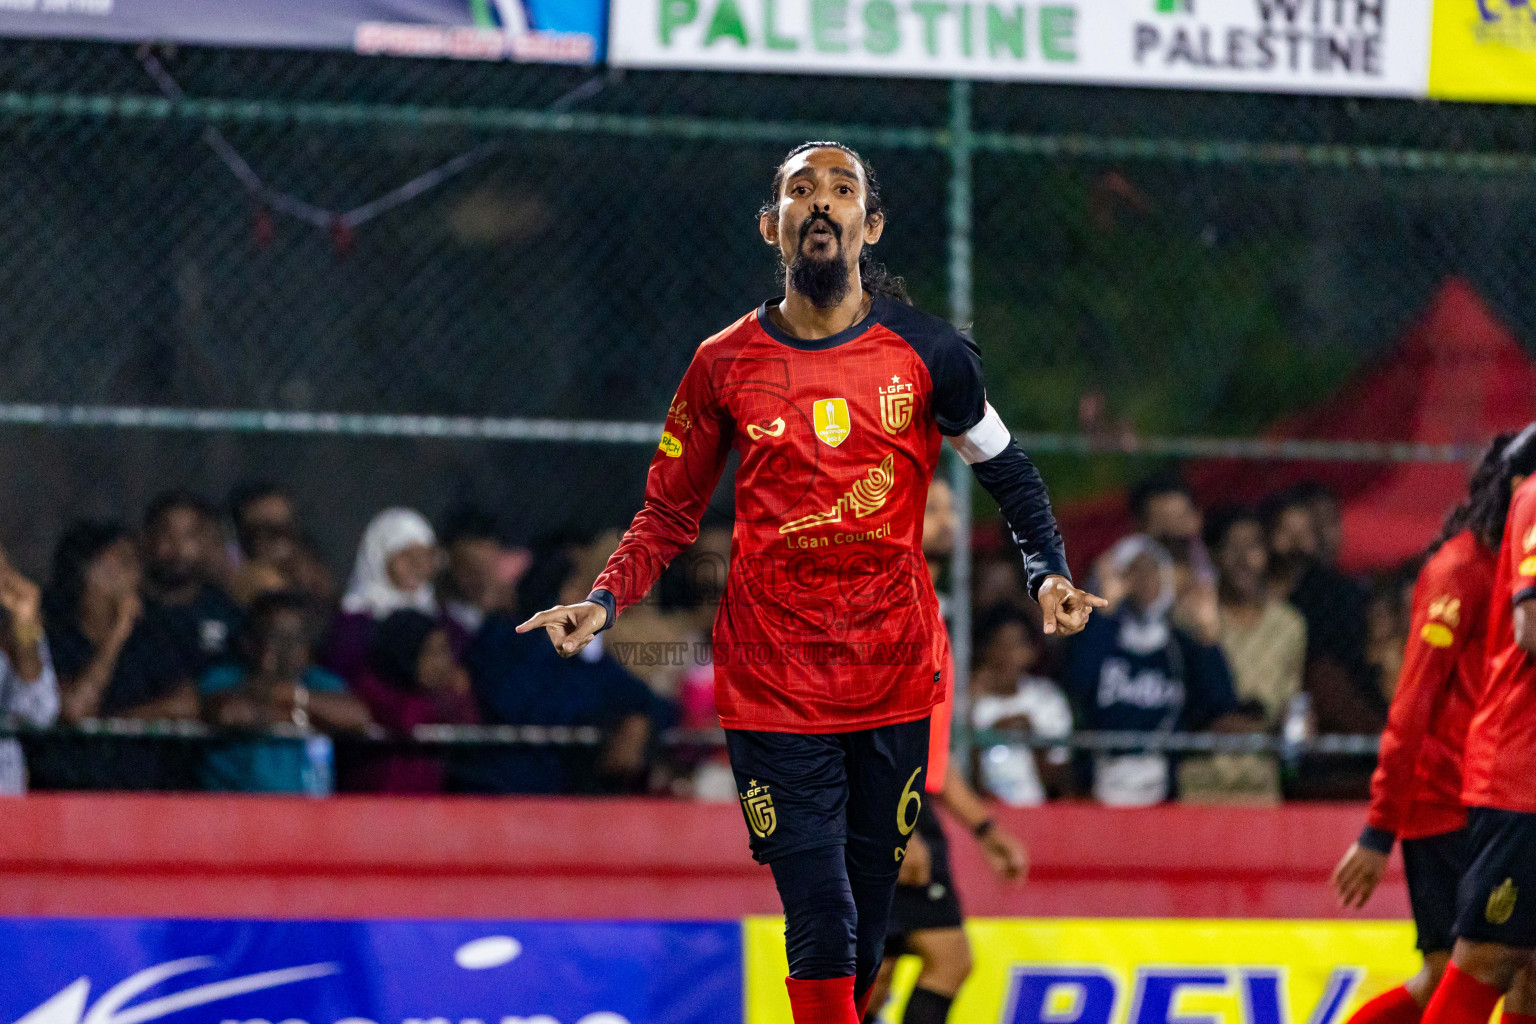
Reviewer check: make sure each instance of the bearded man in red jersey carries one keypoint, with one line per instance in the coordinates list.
(1496, 900)
(1416, 791)
(837, 396)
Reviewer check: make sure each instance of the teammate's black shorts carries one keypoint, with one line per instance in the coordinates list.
(799, 792)
(1435, 866)
(1497, 898)
(920, 908)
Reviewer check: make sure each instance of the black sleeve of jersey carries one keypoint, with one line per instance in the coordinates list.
(954, 366)
(1014, 483)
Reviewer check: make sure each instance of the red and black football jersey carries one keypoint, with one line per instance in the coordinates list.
(829, 621)
(1416, 791)
(1499, 769)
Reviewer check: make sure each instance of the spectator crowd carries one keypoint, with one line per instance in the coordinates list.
(1236, 621)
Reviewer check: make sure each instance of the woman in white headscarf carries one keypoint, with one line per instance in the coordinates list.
(396, 564)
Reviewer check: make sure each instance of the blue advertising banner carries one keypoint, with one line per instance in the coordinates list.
(550, 31)
(84, 971)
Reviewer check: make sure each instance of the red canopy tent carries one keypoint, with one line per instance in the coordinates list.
(1457, 377)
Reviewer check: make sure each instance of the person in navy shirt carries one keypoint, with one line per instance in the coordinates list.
(1132, 669)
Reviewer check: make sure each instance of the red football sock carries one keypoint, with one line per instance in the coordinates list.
(822, 1002)
(861, 1006)
(1394, 1006)
(1519, 1018)
(1461, 999)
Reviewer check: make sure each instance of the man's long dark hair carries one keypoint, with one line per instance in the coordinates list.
(1487, 504)
(877, 280)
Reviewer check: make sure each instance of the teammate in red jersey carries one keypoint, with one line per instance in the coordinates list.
(836, 395)
(1416, 791)
(1496, 916)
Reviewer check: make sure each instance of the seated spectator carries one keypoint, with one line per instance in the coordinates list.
(273, 553)
(396, 564)
(1327, 519)
(1265, 643)
(1346, 695)
(1008, 696)
(112, 662)
(270, 563)
(996, 580)
(1132, 669)
(1165, 510)
(201, 619)
(277, 683)
(254, 504)
(481, 573)
(29, 691)
(520, 679)
(413, 678)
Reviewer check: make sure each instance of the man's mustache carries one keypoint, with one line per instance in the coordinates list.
(833, 226)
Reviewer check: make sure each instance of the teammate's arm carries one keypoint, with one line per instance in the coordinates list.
(1004, 852)
(980, 438)
(683, 474)
(1441, 622)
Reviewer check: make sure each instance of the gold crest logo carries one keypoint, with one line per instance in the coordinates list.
(1501, 902)
(864, 497)
(1447, 609)
(774, 429)
(1528, 566)
(831, 418)
(671, 445)
(758, 805)
(896, 412)
(1437, 635)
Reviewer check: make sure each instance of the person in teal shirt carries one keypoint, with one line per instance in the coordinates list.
(276, 683)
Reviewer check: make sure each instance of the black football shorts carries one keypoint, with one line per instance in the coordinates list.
(1435, 866)
(800, 792)
(1497, 898)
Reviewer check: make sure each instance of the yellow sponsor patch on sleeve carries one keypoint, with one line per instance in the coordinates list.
(1437, 635)
(1528, 567)
(670, 444)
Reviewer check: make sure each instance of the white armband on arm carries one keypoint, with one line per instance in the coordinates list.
(983, 441)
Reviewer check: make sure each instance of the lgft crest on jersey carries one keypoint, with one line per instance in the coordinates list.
(897, 403)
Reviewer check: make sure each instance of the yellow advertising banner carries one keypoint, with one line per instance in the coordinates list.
(1483, 50)
(1126, 971)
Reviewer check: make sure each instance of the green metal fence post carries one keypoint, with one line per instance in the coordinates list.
(961, 144)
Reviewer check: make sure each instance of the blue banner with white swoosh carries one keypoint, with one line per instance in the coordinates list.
(84, 971)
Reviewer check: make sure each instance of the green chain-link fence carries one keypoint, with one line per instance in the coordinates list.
(196, 229)
(381, 281)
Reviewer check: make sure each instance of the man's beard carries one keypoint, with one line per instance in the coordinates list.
(823, 281)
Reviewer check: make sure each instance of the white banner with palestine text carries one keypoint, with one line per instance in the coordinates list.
(1348, 47)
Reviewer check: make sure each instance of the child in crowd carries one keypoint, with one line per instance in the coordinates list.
(277, 683)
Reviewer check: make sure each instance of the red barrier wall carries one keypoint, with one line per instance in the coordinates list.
(207, 856)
